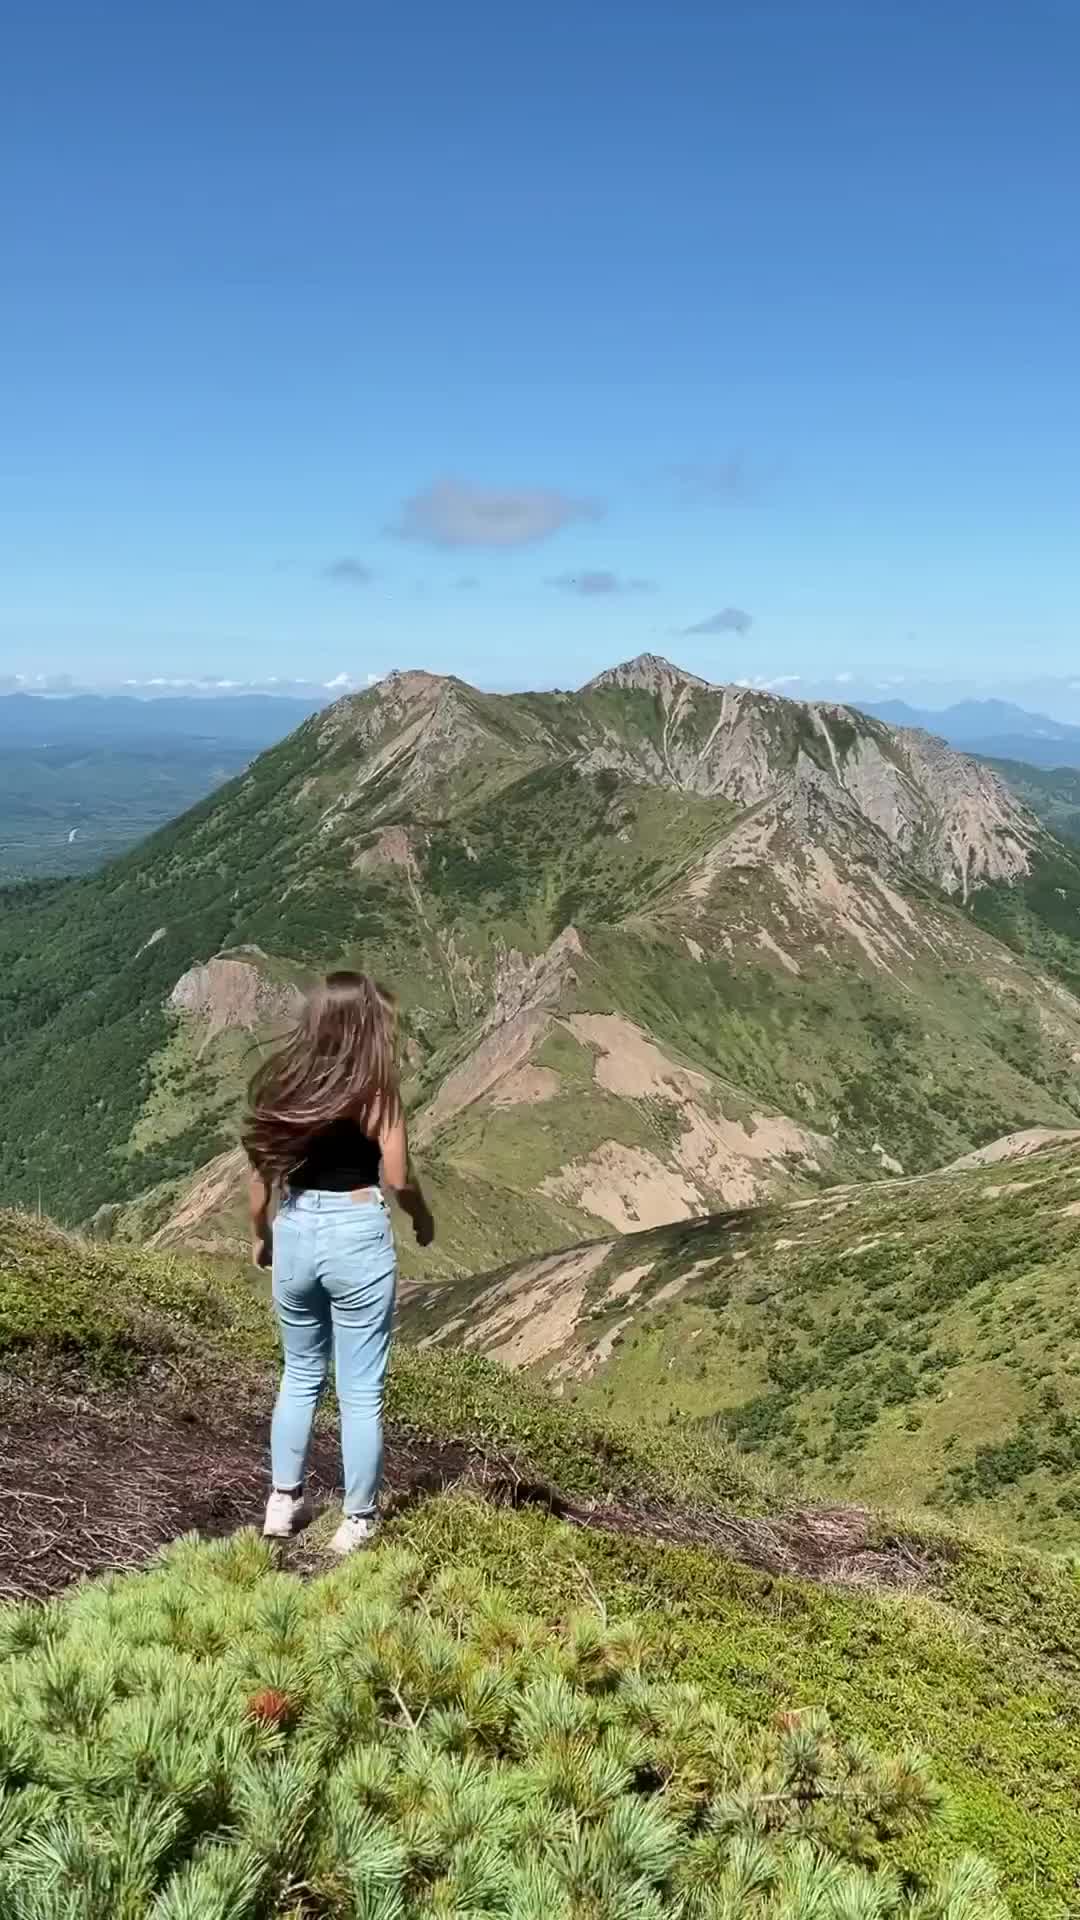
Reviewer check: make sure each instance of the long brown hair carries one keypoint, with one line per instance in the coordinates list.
(340, 1060)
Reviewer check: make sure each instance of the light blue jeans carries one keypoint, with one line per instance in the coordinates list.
(334, 1280)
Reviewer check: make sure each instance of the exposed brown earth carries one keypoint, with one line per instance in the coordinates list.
(185, 1467)
(211, 1189)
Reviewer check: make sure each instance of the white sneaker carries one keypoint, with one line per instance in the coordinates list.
(286, 1513)
(355, 1531)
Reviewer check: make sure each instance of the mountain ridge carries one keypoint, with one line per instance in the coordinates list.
(774, 908)
(743, 769)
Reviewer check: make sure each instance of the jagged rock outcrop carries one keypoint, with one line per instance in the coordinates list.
(981, 833)
(521, 983)
(231, 992)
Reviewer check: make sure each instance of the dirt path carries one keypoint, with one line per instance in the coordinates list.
(95, 1485)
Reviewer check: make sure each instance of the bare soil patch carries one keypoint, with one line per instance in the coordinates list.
(626, 1187)
(229, 992)
(93, 1485)
(530, 1314)
(1013, 1146)
(218, 1182)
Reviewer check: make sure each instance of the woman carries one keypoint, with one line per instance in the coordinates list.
(325, 1117)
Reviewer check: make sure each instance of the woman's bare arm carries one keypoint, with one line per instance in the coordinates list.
(398, 1179)
(260, 1194)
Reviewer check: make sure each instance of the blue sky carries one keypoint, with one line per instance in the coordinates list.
(513, 341)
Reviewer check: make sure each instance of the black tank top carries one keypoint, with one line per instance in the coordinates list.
(339, 1159)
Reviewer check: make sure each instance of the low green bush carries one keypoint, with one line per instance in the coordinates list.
(215, 1740)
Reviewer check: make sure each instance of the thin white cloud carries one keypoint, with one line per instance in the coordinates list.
(695, 481)
(728, 620)
(349, 572)
(599, 582)
(455, 513)
(158, 686)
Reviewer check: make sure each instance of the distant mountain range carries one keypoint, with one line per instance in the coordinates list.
(994, 729)
(998, 728)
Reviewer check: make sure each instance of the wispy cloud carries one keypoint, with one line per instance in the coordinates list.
(154, 686)
(728, 620)
(599, 582)
(454, 513)
(349, 572)
(697, 480)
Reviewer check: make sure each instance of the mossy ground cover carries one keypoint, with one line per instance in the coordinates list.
(978, 1663)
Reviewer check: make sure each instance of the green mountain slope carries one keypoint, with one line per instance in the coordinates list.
(1053, 793)
(661, 947)
(181, 1739)
(918, 1342)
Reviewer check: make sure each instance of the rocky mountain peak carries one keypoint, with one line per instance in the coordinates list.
(649, 673)
(411, 683)
(403, 695)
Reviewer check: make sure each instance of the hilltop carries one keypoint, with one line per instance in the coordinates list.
(662, 948)
(546, 1574)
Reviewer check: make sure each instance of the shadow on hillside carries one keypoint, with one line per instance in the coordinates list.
(92, 1485)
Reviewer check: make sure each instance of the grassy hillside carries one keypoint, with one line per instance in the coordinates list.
(1051, 792)
(486, 1708)
(644, 1085)
(918, 1342)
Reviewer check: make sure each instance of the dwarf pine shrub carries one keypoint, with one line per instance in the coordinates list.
(216, 1740)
